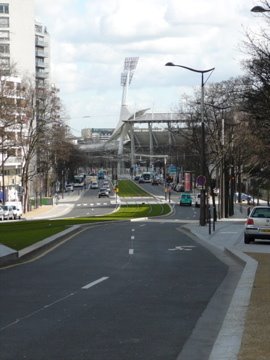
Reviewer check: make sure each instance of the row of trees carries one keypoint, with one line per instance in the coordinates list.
(237, 125)
(33, 132)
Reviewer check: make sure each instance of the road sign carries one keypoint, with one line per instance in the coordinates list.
(201, 180)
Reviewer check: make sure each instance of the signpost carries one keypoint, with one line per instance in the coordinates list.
(201, 181)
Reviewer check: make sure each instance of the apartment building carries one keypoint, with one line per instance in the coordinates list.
(24, 46)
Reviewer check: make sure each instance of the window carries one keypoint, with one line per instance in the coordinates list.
(4, 8)
(4, 49)
(38, 28)
(4, 22)
(4, 62)
(4, 35)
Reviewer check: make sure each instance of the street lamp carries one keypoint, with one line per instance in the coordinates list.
(259, 9)
(203, 169)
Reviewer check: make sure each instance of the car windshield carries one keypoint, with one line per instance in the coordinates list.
(261, 212)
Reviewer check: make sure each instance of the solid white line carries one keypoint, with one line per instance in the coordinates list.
(93, 283)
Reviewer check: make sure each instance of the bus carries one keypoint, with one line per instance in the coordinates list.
(79, 181)
(145, 177)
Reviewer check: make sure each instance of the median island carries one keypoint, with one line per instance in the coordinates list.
(21, 234)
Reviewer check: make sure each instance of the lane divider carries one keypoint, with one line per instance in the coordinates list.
(93, 283)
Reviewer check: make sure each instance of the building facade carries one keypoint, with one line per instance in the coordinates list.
(24, 52)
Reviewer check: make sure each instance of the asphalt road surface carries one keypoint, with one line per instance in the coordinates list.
(125, 291)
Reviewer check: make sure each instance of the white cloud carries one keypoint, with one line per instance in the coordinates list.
(90, 40)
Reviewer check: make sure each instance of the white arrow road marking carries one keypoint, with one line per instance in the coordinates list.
(93, 283)
(183, 248)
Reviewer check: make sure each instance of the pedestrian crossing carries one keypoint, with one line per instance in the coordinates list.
(120, 202)
(81, 205)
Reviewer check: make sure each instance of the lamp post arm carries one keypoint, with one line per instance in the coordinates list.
(192, 69)
(259, 9)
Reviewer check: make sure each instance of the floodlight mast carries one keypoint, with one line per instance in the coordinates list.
(126, 76)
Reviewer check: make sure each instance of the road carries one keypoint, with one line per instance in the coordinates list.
(89, 204)
(121, 291)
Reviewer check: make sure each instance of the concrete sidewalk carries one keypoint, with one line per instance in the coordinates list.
(245, 331)
(242, 326)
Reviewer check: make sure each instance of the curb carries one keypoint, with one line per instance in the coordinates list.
(13, 257)
(228, 341)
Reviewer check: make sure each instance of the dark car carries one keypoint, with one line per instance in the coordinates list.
(103, 192)
(155, 181)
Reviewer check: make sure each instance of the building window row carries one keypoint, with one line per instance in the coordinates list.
(4, 8)
(4, 49)
(4, 22)
(4, 35)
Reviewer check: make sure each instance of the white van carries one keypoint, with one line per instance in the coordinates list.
(17, 208)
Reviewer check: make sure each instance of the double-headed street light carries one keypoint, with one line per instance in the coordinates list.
(203, 161)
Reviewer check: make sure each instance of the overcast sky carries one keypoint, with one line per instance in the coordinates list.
(90, 40)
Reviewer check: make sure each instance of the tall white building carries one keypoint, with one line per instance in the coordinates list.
(24, 42)
(24, 47)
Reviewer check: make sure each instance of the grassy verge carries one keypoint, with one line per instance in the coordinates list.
(18, 235)
(128, 188)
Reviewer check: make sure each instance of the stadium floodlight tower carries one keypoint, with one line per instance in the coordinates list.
(121, 128)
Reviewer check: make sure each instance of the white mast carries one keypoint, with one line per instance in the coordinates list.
(126, 77)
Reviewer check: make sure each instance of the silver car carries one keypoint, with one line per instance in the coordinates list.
(8, 212)
(257, 225)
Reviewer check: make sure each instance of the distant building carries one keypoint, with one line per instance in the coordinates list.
(95, 135)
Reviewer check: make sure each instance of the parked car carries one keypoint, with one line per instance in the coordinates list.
(69, 187)
(185, 199)
(244, 197)
(17, 212)
(137, 177)
(257, 225)
(16, 207)
(8, 212)
(103, 192)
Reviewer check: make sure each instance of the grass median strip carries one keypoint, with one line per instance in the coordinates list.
(128, 188)
(18, 235)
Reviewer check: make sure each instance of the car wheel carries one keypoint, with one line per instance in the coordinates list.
(247, 239)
